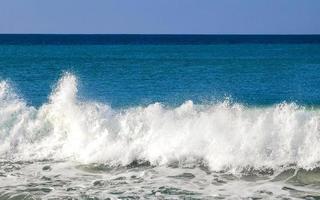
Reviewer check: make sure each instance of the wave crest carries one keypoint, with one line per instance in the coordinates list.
(223, 135)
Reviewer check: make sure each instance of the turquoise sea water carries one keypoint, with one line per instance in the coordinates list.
(124, 75)
(159, 117)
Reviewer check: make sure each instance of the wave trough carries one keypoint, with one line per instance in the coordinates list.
(223, 136)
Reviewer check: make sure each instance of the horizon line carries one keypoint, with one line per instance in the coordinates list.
(174, 34)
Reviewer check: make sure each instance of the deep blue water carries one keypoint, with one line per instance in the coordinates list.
(139, 39)
(134, 74)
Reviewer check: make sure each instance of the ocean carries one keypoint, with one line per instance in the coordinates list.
(159, 116)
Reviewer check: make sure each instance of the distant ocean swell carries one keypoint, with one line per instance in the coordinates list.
(223, 136)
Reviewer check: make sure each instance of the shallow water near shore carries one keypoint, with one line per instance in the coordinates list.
(65, 180)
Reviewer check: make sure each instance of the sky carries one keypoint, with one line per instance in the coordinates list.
(160, 16)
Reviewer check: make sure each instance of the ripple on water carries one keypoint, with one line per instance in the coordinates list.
(16, 196)
(183, 176)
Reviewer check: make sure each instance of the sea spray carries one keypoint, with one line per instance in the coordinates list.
(223, 136)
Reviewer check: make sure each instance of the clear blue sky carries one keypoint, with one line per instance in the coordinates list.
(161, 16)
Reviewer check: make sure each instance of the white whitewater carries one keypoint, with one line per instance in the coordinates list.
(223, 136)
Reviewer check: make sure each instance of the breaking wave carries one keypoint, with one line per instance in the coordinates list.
(223, 136)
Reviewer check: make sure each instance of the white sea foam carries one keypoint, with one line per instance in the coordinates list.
(223, 135)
